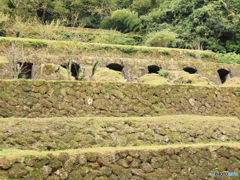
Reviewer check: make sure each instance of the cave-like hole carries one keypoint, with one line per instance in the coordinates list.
(26, 70)
(153, 69)
(190, 70)
(115, 67)
(224, 75)
(75, 69)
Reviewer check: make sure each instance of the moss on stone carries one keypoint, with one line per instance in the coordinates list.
(153, 79)
(105, 74)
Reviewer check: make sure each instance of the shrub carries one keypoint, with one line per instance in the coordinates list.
(122, 20)
(163, 73)
(128, 49)
(160, 39)
(229, 58)
(164, 52)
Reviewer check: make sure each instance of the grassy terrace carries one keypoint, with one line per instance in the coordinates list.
(120, 50)
(15, 153)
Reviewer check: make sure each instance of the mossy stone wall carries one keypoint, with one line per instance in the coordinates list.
(39, 98)
(170, 163)
(75, 133)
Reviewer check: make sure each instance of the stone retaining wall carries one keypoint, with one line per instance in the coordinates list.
(75, 133)
(194, 163)
(39, 98)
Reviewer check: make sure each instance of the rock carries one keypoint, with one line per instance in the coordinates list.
(123, 163)
(91, 175)
(46, 170)
(94, 165)
(135, 163)
(146, 167)
(158, 174)
(83, 170)
(75, 175)
(52, 72)
(17, 171)
(102, 178)
(62, 173)
(4, 163)
(82, 159)
(136, 178)
(63, 157)
(105, 171)
(125, 174)
(138, 172)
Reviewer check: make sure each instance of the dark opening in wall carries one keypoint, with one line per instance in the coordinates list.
(190, 70)
(153, 69)
(115, 67)
(75, 69)
(224, 75)
(26, 70)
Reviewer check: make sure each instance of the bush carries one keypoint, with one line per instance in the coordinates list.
(164, 52)
(122, 20)
(160, 39)
(128, 49)
(229, 58)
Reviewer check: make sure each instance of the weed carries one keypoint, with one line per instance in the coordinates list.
(164, 52)
(128, 49)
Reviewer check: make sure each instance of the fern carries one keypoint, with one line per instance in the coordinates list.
(126, 20)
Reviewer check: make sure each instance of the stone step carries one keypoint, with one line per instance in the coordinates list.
(90, 132)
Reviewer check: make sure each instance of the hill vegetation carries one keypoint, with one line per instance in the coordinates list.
(191, 24)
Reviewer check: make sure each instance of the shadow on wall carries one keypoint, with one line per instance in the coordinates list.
(224, 75)
(26, 70)
(190, 70)
(153, 69)
(75, 69)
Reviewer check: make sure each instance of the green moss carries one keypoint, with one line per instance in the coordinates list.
(153, 79)
(5, 96)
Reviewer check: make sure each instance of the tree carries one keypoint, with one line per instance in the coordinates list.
(14, 57)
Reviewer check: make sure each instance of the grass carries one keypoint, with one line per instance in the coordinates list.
(3, 59)
(15, 153)
(166, 118)
(101, 45)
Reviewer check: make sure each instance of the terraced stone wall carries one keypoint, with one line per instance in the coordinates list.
(84, 132)
(26, 98)
(189, 162)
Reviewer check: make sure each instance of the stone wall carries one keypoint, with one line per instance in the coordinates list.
(26, 98)
(152, 163)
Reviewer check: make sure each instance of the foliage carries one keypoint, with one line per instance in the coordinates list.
(199, 24)
(160, 39)
(229, 58)
(163, 73)
(123, 20)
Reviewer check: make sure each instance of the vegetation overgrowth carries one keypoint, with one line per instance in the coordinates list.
(195, 24)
